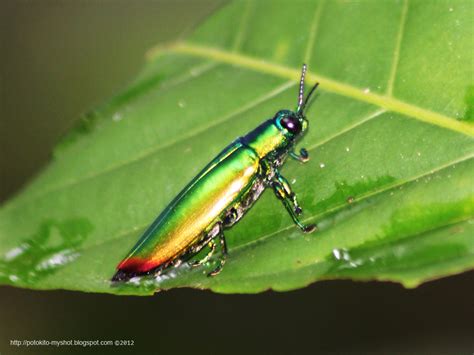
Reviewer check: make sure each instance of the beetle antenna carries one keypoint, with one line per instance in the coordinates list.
(309, 95)
(301, 93)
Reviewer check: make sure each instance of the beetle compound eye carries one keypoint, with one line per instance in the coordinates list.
(292, 124)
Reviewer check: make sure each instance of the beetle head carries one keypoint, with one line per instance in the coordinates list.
(291, 123)
(294, 123)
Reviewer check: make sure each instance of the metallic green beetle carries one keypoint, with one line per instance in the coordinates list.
(221, 194)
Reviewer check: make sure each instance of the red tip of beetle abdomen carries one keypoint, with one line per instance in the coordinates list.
(134, 266)
(138, 265)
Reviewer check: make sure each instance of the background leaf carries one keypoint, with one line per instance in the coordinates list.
(390, 179)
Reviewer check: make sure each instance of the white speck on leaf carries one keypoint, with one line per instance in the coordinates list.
(117, 116)
(13, 253)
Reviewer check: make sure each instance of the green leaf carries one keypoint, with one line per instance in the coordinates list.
(389, 182)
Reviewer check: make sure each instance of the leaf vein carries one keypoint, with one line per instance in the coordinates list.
(396, 52)
(362, 198)
(356, 124)
(313, 30)
(248, 7)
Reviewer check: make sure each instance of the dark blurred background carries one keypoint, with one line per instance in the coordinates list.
(60, 58)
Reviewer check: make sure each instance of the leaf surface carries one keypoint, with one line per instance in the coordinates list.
(389, 182)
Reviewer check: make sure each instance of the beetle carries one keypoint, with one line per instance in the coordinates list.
(220, 195)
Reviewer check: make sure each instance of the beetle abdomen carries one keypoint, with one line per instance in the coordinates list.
(195, 209)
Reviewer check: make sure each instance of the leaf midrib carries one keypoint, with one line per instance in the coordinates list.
(266, 67)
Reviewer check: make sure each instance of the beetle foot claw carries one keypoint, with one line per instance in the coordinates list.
(195, 264)
(214, 272)
(310, 228)
(217, 270)
(304, 155)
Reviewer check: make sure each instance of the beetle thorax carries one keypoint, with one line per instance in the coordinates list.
(266, 138)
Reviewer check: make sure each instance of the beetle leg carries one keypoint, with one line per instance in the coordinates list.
(212, 245)
(287, 196)
(231, 217)
(223, 256)
(303, 157)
